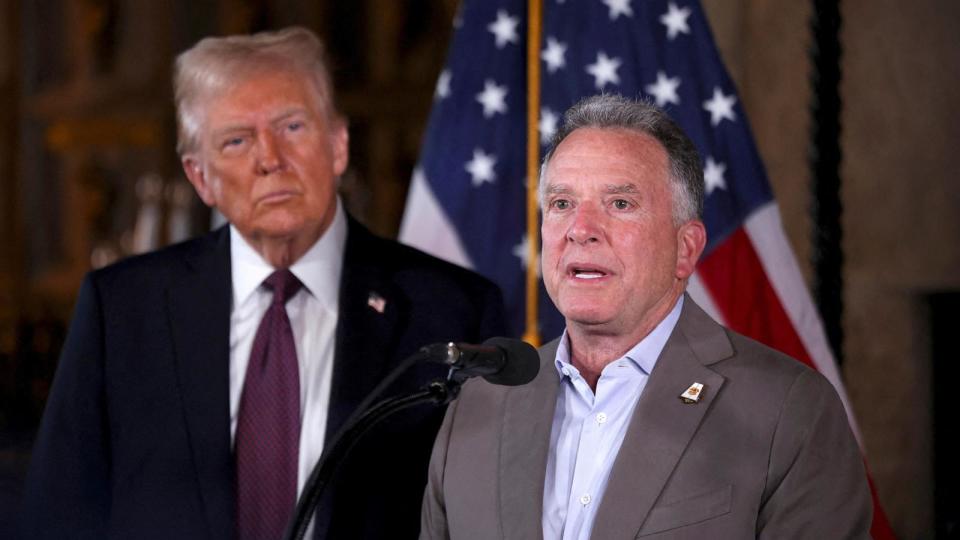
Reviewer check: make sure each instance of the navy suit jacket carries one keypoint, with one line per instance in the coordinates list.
(135, 439)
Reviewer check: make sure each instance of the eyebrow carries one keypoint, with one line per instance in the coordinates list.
(230, 129)
(620, 188)
(553, 189)
(293, 111)
(613, 189)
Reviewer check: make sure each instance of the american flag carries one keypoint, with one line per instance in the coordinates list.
(467, 197)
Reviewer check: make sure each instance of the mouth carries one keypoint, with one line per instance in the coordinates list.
(276, 197)
(586, 272)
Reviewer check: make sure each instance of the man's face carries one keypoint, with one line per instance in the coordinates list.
(613, 260)
(268, 158)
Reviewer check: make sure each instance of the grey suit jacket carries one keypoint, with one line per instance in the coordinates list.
(766, 452)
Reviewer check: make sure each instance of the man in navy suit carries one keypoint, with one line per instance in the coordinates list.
(138, 436)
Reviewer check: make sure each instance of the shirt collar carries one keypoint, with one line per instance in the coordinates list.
(643, 355)
(318, 269)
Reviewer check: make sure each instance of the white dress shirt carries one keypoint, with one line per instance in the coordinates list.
(588, 429)
(313, 316)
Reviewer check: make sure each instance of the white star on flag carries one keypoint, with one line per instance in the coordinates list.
(720, 107)
(604, 70)
(547, 125)
(443, 85)
(553, 55)
(522, 251)
(481, 167)
(675, 19)
(504, 28)
(493, 98)
(619, 7)
(713, 175)
(664, 90)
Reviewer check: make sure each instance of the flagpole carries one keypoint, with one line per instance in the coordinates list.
(534, 16)
(826, 157)
(825, 163)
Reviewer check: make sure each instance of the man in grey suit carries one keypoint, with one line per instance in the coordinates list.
(647, 419)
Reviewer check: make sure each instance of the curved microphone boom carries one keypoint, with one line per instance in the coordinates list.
(499, 360)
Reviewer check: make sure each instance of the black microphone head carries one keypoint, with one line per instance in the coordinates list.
(522, 362)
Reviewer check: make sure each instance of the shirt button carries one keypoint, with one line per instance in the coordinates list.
(585, 499)
(601, 418)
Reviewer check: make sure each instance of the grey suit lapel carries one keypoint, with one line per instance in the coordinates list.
(527, 422)
(662, 425)
(198, 307)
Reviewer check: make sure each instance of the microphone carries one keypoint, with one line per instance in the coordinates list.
(499, 360)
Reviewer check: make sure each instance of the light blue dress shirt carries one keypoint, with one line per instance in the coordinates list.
(588, 429)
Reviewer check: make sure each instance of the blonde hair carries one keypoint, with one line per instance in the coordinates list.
(215, 63)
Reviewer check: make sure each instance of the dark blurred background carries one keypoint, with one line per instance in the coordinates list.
(88, 174)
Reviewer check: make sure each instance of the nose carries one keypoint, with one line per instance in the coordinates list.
(586, 225)
(269, 154)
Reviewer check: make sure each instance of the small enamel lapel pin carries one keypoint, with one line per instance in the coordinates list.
(692, 394)
(377, 302)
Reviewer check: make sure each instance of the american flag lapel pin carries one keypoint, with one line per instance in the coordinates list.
(692, 394)
(377, 302)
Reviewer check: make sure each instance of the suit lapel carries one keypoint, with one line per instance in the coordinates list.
(198, 307)
(370, 309)
(662, 424)
(528, 420)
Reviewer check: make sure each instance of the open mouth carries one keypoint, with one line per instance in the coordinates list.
(586, 272)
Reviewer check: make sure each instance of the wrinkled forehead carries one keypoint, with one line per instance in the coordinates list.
(607, 160)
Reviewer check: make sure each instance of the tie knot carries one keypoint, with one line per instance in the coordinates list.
(283, 284)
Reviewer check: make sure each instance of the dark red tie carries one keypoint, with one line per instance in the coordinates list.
(268, 427)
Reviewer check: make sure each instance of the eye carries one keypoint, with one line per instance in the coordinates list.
(621, 204)
(295, 125)
(232, 142)
(560, 204)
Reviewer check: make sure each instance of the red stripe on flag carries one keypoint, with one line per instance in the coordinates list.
(735, 279)
(880, 529)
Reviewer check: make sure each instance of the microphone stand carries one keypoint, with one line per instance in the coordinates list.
(440, 392)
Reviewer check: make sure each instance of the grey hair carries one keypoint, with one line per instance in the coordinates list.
(215, 63)
(617, 112)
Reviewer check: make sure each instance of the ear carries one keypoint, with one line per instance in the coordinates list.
(194, 171)
(691, 239)
(340, 141)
